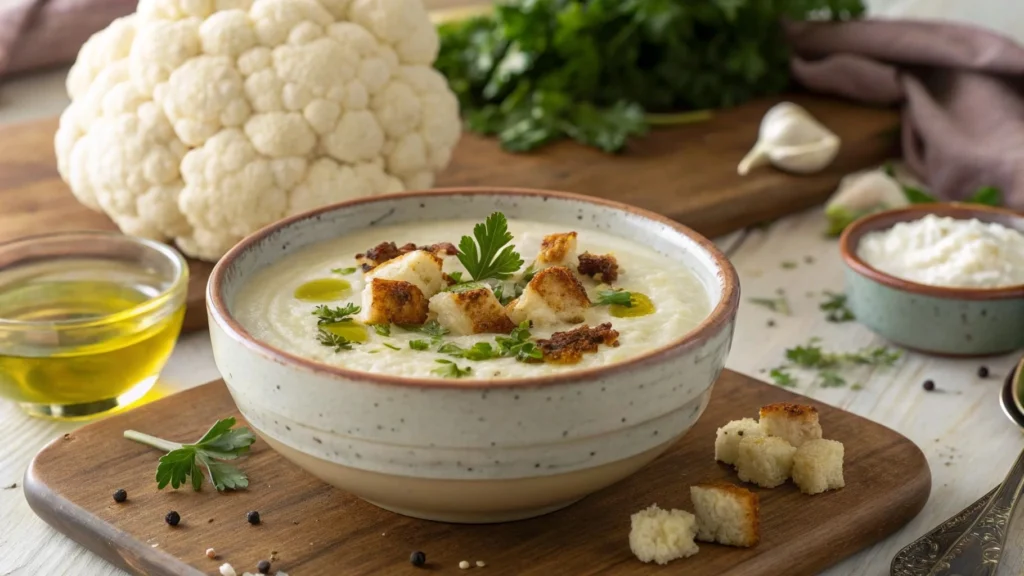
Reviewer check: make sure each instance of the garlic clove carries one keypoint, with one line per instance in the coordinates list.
(860, 194)
(793, 140)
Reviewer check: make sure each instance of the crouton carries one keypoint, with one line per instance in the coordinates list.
(394, 302)
(727, 441)
(557, 250)
(475, 311)
(568, 347)
(385, 251)
(794, 423)
(764, 460)
(818, 466)
(603, 268)
(727, 514)
(419, 268)
(553, 295)
(661, 536)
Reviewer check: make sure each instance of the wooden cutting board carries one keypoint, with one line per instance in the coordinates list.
(686, 172)
(319, 530)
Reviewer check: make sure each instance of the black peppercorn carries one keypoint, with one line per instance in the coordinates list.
(418, 558)
(263, 567)
(929, 385)
(253, 517)
(120, 496)
(172, 518)
(983, 372)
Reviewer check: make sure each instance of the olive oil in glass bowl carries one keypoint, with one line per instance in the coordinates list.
(87, 320)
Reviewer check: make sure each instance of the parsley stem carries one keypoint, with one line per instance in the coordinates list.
(153, 441)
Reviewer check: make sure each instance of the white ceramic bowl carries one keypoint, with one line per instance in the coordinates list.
(473, 450)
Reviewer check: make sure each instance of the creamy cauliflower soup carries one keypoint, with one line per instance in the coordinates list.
(421, 300)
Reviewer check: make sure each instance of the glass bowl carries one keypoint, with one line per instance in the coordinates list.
(87, 320)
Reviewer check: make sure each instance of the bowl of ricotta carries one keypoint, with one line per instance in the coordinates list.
(472, 355)
(940, 278)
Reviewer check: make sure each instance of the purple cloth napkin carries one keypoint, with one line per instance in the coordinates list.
(39, 33)
(961, 88)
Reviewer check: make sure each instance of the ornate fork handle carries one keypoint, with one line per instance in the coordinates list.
(977, 551)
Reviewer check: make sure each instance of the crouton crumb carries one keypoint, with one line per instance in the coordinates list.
(726, 513)
(568, 347)
(394, 302)
(601, 267)
(557, 249)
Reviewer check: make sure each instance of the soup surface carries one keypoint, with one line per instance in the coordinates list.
(277, 306)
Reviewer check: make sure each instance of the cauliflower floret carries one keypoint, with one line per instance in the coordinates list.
(475, 311)
(393, 302)
(554, 295)
(419, 268)
(199, 121)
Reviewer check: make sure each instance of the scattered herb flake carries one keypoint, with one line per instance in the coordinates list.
(185, 462)
(518, 345)
(830, 379)
(857, 386)
(788, 264)
(344, 271)
(329, 315)
(779, 304)
(782, 377)
(382, 329)
(492, 255)
(332, 340)
(835, 308)
(450, 369)
(392, 346)
(419, 344)
(828, 365)
(614, 297)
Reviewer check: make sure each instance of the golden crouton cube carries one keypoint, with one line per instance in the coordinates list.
(419, 268)
(727, 514)
(727, 441)
(557, 250)
(794, 423)
(394, 302)
(554, 295)
(661, 536)
(764, 460)
(475, 311)
(818, 466)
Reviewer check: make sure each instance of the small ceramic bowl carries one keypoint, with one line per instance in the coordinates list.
(939, 320)
(473, 450)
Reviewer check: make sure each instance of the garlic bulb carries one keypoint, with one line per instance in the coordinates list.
(860, 194)
(792, 140)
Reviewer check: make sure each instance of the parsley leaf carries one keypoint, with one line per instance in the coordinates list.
(332, 340)
(779, 304)
(518, 344)
(492, 255)
(344, 271)
(782, 377)
(328, 315)
(616, 297)
(450, 369)
(828, 365)
(392, 346)
(830, 379)
(382, 329)
(835, 308)
(186, 462)
(419, 344)
(987, 195)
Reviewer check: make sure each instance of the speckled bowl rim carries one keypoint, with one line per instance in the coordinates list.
(853, 233)
(723, 313)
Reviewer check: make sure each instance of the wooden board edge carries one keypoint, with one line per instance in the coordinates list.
(97, 536)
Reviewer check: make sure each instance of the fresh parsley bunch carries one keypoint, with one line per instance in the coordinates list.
(535, 71)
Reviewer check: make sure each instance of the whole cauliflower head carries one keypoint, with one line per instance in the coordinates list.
(200, 121)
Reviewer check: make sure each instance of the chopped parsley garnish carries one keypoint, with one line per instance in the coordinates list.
(614, 297)
(185, 462)
(518, 344)
(828, 366)
(479, 351)
(382, 329)
(432, 328)
(456, 277)
(492, 255)
(419, 344)
(344, 271)
(835, 308)
(332, 340)
(392, 346)
(779, 304)
(464, 286)
(450, 369)
(329, 315)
